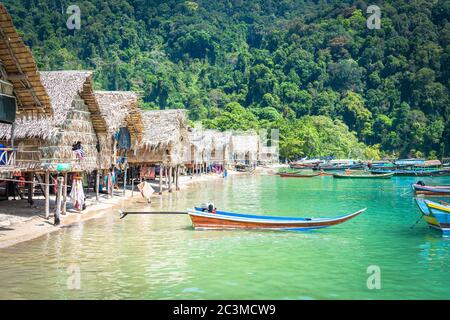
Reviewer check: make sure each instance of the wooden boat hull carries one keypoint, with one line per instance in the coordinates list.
(436, 215)
(365, 176)
(228, 220)
(298, 175)
(431, 190)
(413, 173)
(340, 168)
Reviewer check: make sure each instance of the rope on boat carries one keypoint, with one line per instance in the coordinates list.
(417, 221)
(406, 192)
(124, 214)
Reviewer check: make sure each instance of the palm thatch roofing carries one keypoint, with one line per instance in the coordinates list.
(76, 117)
(220, 139)
(209, 145)
(62, 88)
(201, 142)
(164, 137)
(222, 145)
(244, 144)
(164, 128)
(21, 70)
(119, 108)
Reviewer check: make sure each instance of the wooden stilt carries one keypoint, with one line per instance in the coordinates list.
(132, 182)
(110, 185)
(30, 177)
(177, 178)
(97, 185)
(166, 175)
(47, 194)
(125, 180)
(161, 168)
(64, 204)
(59, 201)
(170, 178)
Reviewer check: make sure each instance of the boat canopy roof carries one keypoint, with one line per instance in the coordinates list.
(408, 162)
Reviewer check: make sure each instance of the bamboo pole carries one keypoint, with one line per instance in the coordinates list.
(177, 178)
(110, 189)
(160, 178)
(59, 201)
(170, 178)
(47, 194)
(64, 206)
(30, 188)
(166, 176)
(125, 180)
(97, 185)
(132, 182)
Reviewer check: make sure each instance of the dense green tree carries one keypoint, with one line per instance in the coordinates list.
(267, 63)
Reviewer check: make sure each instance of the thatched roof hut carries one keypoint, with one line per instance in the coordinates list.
(21, 70)
(76, 117)
(165, 135)
(201, 144)
(220, 146)
(209, 146)
(244, 147)
(120, 110)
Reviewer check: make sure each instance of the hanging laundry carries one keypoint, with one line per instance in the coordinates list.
(142, 171)
(123, 139)
(152, 174)
(77, 193)
(79, 153)
(146, 190)
(3, 155)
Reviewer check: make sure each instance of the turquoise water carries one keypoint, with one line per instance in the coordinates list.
(162, 257)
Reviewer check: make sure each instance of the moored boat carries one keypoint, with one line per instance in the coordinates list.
(420, 188)
(413, 172)
(363, 176)
(414, 167)
(305, 163)
(437, 215)
(340, 165)
(227, 220)
(298, 175)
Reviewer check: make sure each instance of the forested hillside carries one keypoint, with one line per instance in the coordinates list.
(311, 68)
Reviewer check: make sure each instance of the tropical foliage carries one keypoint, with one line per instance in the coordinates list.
(313, 69)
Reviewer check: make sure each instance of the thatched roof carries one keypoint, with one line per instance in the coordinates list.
(209, 144)
(164, 138)
(164, 128)
(220, 139)
(245, 142)
(21, 69)
(201, 139)
(62, 88)
(119, 108)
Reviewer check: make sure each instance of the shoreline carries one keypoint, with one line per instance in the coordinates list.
(25, 228)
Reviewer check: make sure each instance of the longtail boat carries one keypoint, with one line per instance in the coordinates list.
(340, 167)
(298, 175)
(431, 190)
(363, 176)
(437, 215)
(413, 173)
(227, 220)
